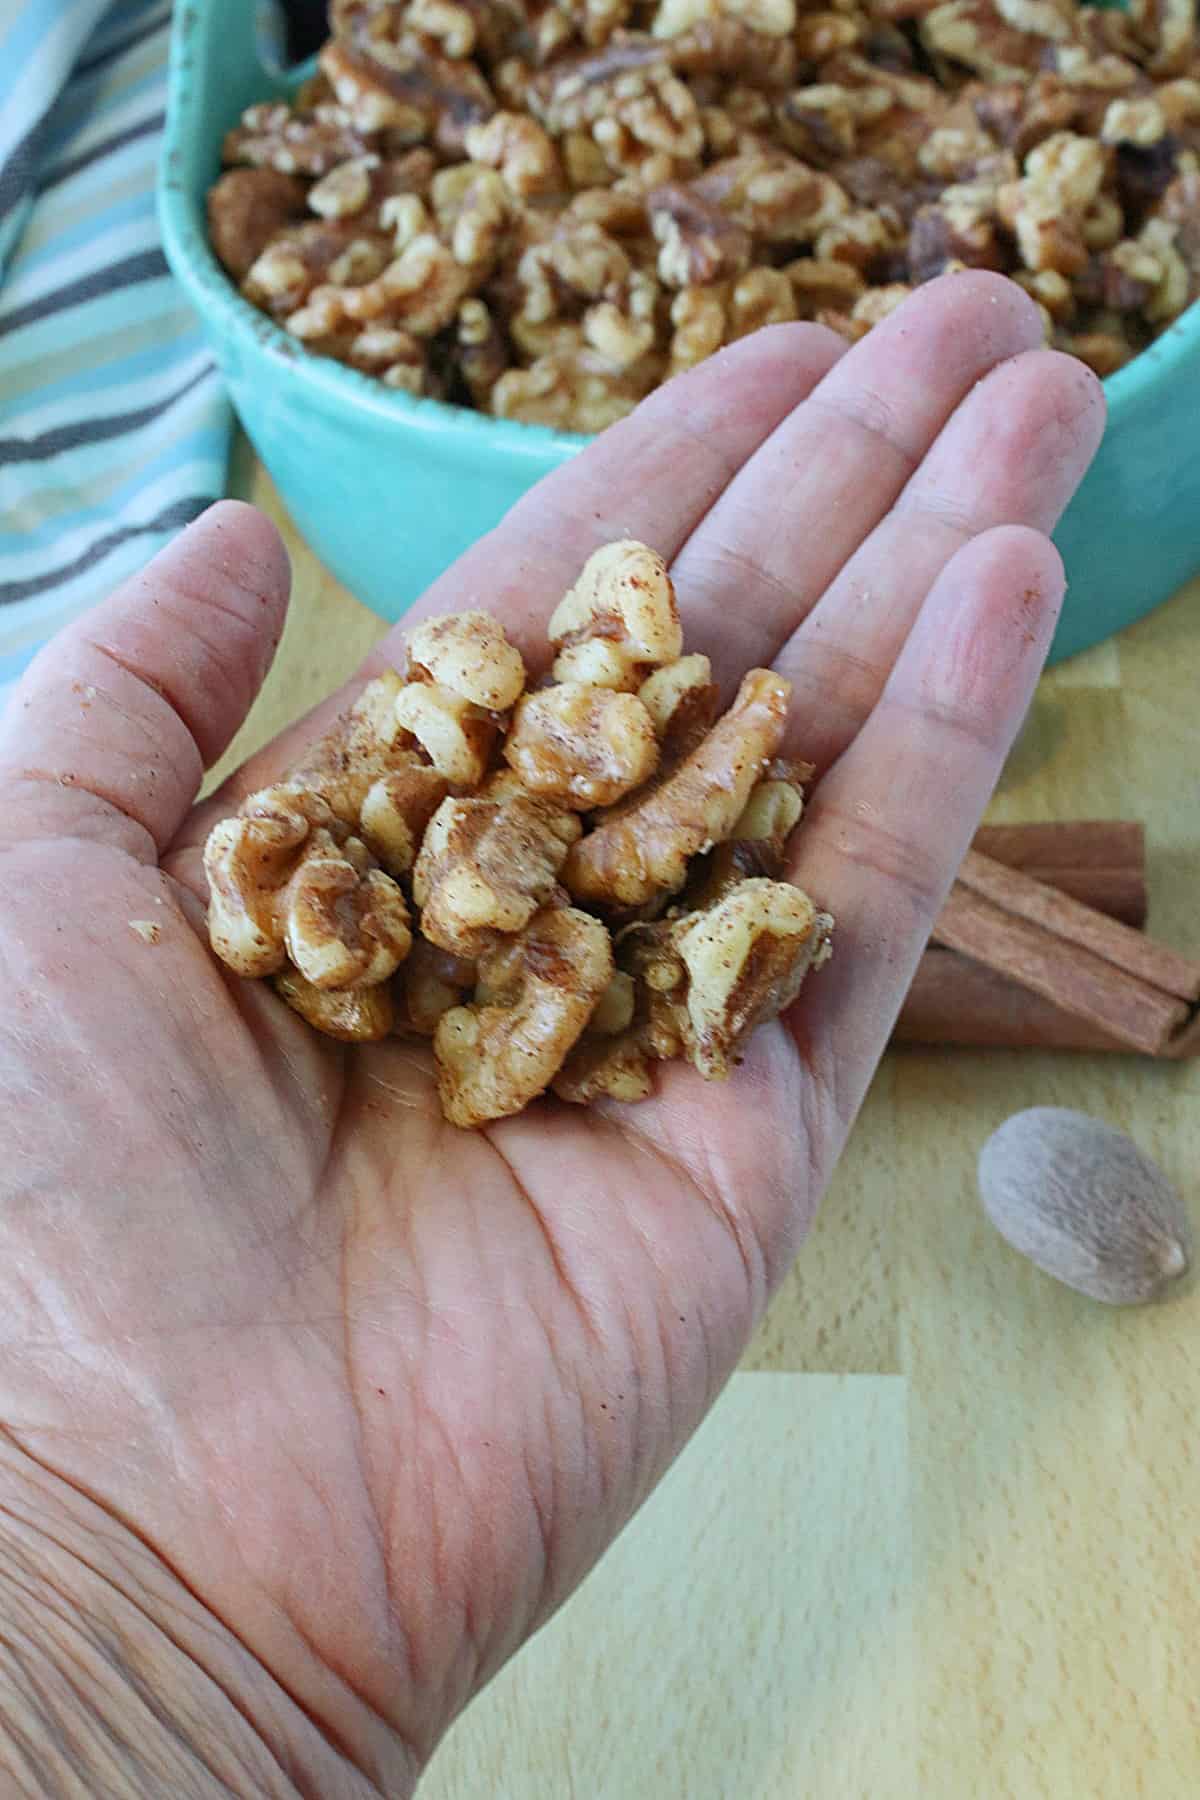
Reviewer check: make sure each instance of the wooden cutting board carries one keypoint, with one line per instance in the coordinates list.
(939, 1536)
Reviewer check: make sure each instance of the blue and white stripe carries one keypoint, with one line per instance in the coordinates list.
(114, 429)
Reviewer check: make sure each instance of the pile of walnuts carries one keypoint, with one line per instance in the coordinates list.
(545, 208)
(559, 885)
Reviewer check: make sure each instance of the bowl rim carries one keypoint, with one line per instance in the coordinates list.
(1160, 360)
(193, 263)
(195, 266)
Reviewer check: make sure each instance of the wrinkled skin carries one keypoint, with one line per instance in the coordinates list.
(375, 1393)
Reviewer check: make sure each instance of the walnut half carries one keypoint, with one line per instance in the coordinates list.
(495, 1056)
(355, 1015)
(645, 851)
(619, 621)
(486, 866)
(285, 889)
(745, 959)
(701, 984)
(582, 746)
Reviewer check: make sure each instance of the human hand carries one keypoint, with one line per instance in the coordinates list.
(342, 1401)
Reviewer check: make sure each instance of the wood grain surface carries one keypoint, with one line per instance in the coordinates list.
(939, 1536)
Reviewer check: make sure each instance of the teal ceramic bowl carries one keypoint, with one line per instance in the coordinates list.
(388, 489)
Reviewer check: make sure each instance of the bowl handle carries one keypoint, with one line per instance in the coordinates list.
(268, 26)
(253, 35)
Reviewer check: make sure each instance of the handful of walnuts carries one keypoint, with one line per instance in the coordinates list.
(559, 885)
(545, 208)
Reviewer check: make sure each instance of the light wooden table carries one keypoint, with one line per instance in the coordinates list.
(939, 1537)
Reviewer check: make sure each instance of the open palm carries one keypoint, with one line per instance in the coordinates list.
(377, 1392)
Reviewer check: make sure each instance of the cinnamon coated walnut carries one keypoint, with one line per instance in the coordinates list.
(559, 886)
(646, 848)
(486, 866)
(700, 984)
(582, 746)
(744, 960)
(681, 699)
(355, 1015)
(570, 389)
(533, 1001)
(431, 982)
(285, 888)
(619, 621)
(545, 210)
(246, 209)
(464, 674)
(757, 845)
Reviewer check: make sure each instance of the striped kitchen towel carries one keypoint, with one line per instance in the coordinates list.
(114, 428)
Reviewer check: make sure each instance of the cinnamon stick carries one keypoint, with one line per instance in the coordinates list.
(1065, 843)
(1091, 967)
(1099, 861)
(1072, 977)
(1027, 898)
(955, 1001)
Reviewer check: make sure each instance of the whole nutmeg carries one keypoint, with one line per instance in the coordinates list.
(1081, 1201)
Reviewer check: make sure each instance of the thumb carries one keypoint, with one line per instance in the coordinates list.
(110, 731)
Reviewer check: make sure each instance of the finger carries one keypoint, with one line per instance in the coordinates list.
(1012, 454)
(111, 728)
(763, 555)
(890, 823)
(651, 476)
